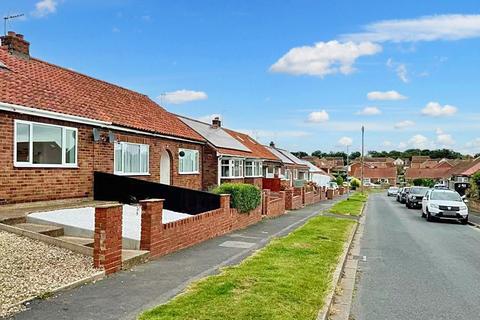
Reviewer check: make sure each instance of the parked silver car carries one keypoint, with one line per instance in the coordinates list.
(392, 191)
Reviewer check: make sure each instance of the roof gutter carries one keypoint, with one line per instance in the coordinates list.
(4, 106)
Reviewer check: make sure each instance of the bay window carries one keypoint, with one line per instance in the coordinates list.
(253, 168)
(232, 168)
(44, 145)
(188, 161)
(131, 158)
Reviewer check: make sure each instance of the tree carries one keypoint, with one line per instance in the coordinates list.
(339, 180)
(355, 155)
(300, 154)
(317, 153)
(354, 183)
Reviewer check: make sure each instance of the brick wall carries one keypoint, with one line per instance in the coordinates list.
(292, 201)
(107, 247)
(273, 203)
(33, 184)
(309, 198)
(210, 168)
(257, 181)
(177, 235)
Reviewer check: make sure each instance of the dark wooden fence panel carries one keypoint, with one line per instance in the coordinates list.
(273, 184)
(111, 187)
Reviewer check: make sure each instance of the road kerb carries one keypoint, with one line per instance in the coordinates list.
(337, 275)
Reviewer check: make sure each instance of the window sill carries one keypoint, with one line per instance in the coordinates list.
(45, 166)
(187, 173)
(253, 176)
(232, 177)
(131, 174)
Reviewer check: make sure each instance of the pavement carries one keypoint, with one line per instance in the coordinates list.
(474, 217)
(413, 269)
(126, 294)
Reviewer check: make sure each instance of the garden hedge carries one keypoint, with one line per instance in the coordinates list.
(244, 197)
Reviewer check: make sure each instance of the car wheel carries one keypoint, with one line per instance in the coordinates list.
(429, 216)
(407, 204)
(423, 214)
(464, 221)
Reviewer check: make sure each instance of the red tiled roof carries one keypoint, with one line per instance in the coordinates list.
(233, 152)
(426, 173)
(38, 84)
(257, 149)
(387, 172)
(465, 167)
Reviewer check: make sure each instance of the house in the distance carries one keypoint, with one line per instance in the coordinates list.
(59, 126)
(293, 168)
(229, 156)
(376, 175)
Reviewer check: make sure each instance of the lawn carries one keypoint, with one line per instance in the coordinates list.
(288, 279)
(351, 206)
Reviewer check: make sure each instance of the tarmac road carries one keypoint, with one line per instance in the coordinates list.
(415, 269)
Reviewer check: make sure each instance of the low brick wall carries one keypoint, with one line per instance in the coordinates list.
(474, 205)
(292, 201)
(330, 194)
(273, 203)
(173, 236)
(309, 198)
(107, 246)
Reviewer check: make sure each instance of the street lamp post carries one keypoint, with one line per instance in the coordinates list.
(363, 151)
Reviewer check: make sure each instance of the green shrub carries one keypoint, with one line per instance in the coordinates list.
(354, 183)
(423, 182)
(475, 184)
(243, 197)
(339, 181)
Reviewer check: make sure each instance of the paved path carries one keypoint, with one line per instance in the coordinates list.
(126, 294)
(415, 269)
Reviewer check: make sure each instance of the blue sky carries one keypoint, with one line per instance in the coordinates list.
(306, 74)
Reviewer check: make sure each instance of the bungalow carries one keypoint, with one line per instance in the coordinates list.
(229, 156)
(436, 174)
(372, 174)
(293, 168)
(317, 175)
(59, 126)
(458, 177)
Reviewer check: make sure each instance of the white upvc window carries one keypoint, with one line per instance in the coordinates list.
(44, 145)
(295, 174)
(253, 168)
(131, 158)
(232, 168)
(188, 162)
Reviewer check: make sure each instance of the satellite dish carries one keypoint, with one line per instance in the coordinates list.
(181, 154)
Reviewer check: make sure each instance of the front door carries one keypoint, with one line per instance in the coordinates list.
(165, 170)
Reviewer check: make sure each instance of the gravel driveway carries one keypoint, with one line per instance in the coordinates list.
(32, 268)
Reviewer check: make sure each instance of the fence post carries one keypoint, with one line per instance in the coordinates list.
(225, 201)
(288, 198)
(266, 200)
(107, 248)
(151, 225)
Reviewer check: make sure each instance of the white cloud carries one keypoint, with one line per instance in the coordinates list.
(444, 139)
(475, 143)
(318, 116)
(402, 72)
(369, 111)
(209, 117)
(385, 95)
(182, 96)
(345, 141)
(419, 142)
(404, 124)
(45, 7)
(434, 109)
(387, 143)
(324, 58)
(426, 28)
(402, 145)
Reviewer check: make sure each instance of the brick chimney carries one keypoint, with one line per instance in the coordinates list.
(216, 123)
(272, 144)
(16, 44)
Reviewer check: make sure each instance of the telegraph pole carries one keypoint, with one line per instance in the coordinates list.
(363, 152)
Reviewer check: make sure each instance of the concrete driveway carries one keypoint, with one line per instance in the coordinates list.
(416, 269)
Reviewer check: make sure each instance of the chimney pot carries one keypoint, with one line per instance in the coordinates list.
(11, 33)
(216, 122)
(272, 144)
(20, 36)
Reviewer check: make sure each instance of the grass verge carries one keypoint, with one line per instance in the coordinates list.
(351, 206)
(288, 279)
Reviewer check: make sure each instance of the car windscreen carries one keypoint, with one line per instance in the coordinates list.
(445, 195)
(419, 191)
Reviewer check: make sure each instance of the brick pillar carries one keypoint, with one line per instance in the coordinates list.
(302, 193)
(330, 194)
(225, 201)
(265, 201)
(283, 197)
(107, 248)
(289, 198)
(151, 225)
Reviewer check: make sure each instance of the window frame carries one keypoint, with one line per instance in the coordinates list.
(30, 164)
(256, 164)
(123, 173)
(231, 167)
(197, 152)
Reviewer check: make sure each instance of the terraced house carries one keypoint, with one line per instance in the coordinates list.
(59, 126)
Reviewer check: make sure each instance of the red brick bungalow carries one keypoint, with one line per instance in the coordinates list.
(229, 156)
(372, 174)
(293, 168)
(59, 126)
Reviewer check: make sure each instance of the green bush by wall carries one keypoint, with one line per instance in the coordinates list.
(243, 197)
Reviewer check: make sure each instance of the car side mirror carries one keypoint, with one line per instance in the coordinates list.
(464, 196)
(465, 200)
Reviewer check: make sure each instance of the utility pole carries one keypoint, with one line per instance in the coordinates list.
(348, 185)
(363, 151)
